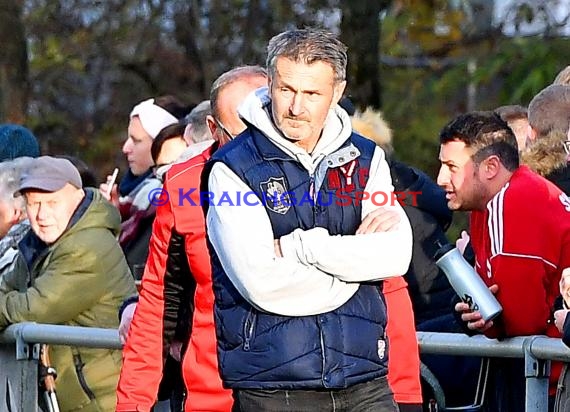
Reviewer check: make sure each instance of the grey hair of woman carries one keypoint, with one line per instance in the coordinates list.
(308, 46)
(10, 172)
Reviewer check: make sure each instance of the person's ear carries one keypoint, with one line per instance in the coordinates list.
(491, 166)
(17, 215)
(532, 134)
(212, 126)
(338, 92)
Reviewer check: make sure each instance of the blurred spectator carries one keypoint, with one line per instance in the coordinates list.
(70, 271)
(147, 119)
(561, 318)
(13, 220)
(547, 156)
(171, 147)
(197, 130)
(182, 293)
(516, 117)
(87, 176)
(548, 111)
(167, 148)
(549, 119)
(17, 141)
(563, 77)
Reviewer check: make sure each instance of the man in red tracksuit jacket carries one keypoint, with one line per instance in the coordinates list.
(520, 231)
(178, 245)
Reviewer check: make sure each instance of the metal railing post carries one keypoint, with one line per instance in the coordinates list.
(536, 372)
(18, 376)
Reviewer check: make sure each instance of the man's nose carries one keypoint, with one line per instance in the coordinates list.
(127, 146)
(442, 177)
(296, 107)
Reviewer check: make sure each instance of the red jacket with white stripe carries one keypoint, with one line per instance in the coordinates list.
(522, 244)
(165, 288)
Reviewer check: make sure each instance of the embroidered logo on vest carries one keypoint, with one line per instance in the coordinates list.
(275, 195)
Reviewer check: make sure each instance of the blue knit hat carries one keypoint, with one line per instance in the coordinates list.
(17, 141)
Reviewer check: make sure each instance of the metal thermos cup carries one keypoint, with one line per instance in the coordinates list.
(467, 283)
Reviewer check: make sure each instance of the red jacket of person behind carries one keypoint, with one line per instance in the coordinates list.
(403, 355)
(142, 367)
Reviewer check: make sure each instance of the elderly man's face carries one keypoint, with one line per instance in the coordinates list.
(50, 213)
(302, 95)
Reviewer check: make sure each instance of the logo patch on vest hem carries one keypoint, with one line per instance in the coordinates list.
(275, 193)
(381, 348)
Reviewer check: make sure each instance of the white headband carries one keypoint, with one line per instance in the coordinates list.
(153, 118)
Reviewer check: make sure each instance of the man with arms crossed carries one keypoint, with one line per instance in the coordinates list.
(299, 310)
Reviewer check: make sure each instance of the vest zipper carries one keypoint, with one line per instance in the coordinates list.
(248, 328)
(322, 341)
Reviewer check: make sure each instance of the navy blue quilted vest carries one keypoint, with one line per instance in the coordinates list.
(333, 350)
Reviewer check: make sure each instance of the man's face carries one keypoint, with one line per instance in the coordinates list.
(50, 213)
(229, 99)
(137, 147)
(301, 97)
(459, 177)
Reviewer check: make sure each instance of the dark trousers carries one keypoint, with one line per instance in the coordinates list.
(373, 396)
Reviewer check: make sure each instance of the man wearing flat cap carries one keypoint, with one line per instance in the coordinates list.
(70, 271)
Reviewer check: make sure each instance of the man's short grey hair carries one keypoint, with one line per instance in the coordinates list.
(549, 110)
(229, 77)
(197, 118)
(10, 172)
(308, 46)
(563, 77)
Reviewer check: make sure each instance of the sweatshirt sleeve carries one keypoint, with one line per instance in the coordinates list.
(242, 237)
(362, 257)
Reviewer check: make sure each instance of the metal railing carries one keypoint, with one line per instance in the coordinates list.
(19, 354)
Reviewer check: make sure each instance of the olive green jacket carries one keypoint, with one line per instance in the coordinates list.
(80, 280)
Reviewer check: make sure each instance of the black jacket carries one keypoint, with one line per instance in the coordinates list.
(429, 216)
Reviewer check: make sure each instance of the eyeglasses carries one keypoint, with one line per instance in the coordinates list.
(566, 144)
(224, 129)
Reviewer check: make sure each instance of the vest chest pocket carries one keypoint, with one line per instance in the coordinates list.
(249, 329)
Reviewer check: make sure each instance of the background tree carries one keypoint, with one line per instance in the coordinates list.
(360, 27)
(13, 63)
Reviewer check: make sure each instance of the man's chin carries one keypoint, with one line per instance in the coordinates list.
(453, 205)
(48, 238)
